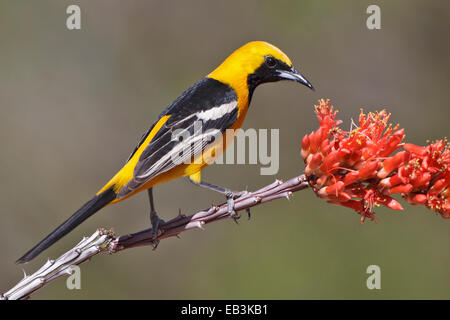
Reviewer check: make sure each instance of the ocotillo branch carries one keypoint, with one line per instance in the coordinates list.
(103, 241)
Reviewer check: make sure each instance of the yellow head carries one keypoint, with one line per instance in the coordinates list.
(255, 63)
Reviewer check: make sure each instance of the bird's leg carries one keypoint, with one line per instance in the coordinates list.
(154, 219)
(231, 196)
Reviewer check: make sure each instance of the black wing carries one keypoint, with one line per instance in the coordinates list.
(197, 117)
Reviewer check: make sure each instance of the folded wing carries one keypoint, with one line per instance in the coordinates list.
(197, 118)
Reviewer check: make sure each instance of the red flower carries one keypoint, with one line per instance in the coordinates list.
(428, 171)
(358, 169)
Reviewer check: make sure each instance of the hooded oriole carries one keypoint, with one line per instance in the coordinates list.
(219, 101)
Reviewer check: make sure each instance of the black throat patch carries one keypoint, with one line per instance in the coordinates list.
(264, 74)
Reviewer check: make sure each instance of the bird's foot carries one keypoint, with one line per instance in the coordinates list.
(156, 222)
(231, 196)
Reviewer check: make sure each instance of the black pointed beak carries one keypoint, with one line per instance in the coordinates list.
(294, 75)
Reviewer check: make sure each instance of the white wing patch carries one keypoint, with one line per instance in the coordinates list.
(217, 112)
(173, 158)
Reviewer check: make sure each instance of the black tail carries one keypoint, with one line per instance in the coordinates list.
(87, 210)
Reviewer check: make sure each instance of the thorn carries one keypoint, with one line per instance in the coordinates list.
(289, 195)
(180, 214)
(257, 199)
(24, 274)
(200, 225)
(279, 181)
(178, 236)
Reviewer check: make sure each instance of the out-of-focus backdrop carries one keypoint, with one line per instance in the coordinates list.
(74, 103)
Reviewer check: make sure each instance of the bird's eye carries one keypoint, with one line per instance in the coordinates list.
(270, 61)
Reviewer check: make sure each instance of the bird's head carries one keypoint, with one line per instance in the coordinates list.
(255, 63)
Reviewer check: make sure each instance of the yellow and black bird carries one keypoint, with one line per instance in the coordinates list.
(219, 102)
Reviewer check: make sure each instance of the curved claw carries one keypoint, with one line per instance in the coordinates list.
(155, 244)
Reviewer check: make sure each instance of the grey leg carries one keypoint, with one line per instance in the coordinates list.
(231, 195)
(154, 219)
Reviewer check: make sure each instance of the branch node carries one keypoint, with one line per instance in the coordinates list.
(200, 224)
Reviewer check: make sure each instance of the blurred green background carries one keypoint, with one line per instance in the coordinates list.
(74, 103)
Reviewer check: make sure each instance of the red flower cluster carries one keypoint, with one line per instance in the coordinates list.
(359, 169)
